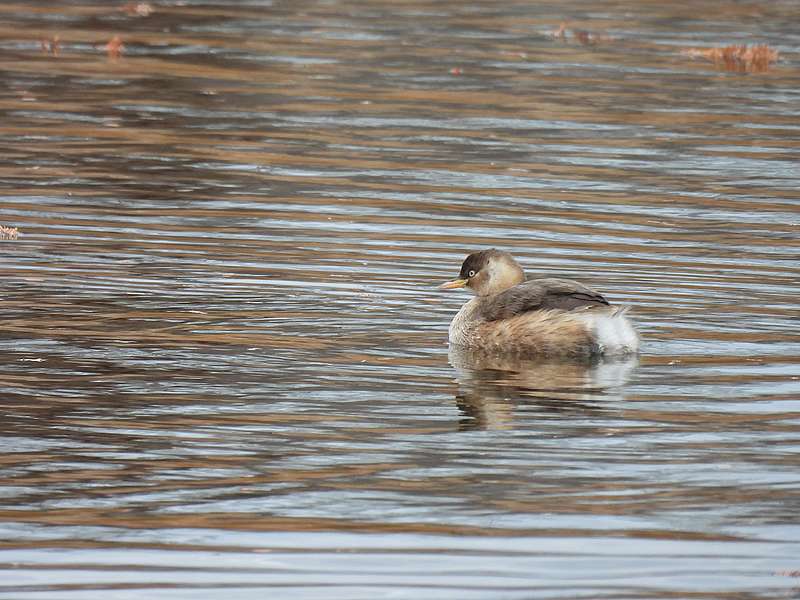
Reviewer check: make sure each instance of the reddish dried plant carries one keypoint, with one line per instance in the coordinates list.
(584, 37)
(561, 32)
(114, 47)
(8, 233)
(739, 58)
(138, 9)
(51, 45)
(581, 36)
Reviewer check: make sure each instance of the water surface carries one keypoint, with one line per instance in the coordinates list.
(224, 353)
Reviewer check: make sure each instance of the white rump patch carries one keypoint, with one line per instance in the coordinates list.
(614, 333)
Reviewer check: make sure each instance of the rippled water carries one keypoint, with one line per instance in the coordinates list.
(224, 352)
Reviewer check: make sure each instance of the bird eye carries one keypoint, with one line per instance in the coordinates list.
(471, 274)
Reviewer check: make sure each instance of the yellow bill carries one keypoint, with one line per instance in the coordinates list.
(452, 285)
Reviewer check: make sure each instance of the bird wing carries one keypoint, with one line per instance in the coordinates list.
(540, 294)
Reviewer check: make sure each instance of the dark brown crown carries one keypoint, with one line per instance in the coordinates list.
(478, 260)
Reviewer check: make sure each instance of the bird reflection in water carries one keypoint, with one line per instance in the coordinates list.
(491, 387)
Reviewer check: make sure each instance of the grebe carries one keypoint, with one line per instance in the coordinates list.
(547, 317)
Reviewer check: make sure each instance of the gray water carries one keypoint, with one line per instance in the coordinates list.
(224, 351)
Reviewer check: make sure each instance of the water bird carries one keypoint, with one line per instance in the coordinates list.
(536, 317)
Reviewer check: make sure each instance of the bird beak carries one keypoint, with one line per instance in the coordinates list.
(452, 285)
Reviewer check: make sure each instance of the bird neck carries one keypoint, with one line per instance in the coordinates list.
(504, 278)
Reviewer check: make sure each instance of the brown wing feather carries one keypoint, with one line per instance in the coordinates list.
(540, 294)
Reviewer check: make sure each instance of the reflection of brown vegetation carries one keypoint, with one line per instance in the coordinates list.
(739, 58)
(8, 233)
(248, 522)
